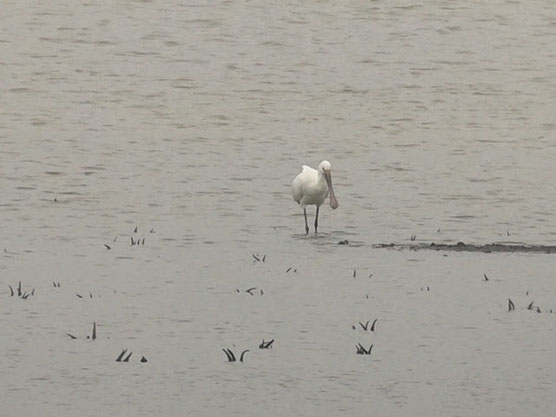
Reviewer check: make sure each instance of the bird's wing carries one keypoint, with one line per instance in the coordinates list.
(305, 177)
(297, 188)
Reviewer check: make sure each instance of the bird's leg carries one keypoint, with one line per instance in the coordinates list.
(317, 219)
(306, 225)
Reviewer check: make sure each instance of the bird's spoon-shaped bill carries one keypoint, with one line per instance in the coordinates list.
(333, 201)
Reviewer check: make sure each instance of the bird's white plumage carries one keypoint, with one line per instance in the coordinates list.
(308, 188)
(312, 186)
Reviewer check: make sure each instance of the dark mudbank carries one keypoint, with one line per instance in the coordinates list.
(468, 247)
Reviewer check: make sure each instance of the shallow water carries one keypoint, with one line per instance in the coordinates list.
(190, 121)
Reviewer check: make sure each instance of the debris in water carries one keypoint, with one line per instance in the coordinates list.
(231, 357)
(266, 345)
(362, 351)
(119, 359)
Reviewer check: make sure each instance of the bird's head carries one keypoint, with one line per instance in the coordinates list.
(324, 167)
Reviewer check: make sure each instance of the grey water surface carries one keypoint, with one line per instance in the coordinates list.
(189, 120)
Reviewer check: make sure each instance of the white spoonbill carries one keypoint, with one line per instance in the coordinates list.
(312, 186)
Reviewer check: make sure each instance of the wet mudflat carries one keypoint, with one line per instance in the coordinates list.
(463, 247)
(147, 155)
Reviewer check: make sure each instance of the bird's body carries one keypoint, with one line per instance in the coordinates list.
(311, 187)
(308, 188)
